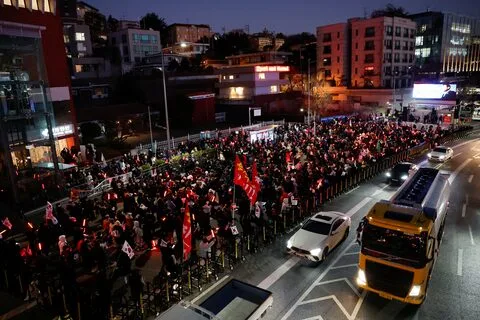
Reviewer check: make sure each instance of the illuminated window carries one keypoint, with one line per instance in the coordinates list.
(66, 38)
(78, 68)
(21, 3)
(80, 36)
(231, 77)
(419, 41)
(423, 27)
(7, 2)
(34, 5)
(46, 6)
(459, 27)
(236, 92)
(261, 76)
(273, 89)
(423, 52)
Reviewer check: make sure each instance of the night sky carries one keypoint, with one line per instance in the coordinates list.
(286, 16)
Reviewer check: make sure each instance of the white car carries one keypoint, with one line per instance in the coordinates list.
(440, 153)
(319, 235)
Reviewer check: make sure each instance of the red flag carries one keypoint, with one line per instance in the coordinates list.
(255, 177)
(187, 233)
(241, 178)
(7, 224)
(240, 175)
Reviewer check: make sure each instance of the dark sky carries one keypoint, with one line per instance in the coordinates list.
(287, 16)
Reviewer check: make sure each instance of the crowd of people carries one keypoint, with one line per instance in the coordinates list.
(147, 210)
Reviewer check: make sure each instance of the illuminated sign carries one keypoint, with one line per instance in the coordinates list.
(369, 68)
(272, 69)
(59, 131)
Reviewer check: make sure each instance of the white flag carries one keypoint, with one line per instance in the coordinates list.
(128, 250)
(49, 213)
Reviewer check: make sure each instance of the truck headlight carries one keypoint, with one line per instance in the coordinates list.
(415, 291)
(289, 244)
(404, 177)
(315, 252)
(361, 278)
(388, 174)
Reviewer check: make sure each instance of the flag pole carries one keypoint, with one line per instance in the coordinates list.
(234, 203)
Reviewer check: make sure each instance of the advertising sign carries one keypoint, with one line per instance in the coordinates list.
(435, 91)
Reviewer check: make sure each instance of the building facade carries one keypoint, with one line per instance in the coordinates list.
(134, 45)
(36, 105)
(446, 44)
(367, 53)
(181, 32)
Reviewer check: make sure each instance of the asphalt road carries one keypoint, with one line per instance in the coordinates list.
(303, 291)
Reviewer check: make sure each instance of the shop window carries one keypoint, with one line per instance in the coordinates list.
(273, 89)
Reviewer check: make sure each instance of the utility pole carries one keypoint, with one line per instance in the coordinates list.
(154, 148)
(167, 122)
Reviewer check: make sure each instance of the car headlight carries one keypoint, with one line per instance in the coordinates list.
(429, 155)
(415, 291)
(442, 157)
(315, 252)
(361, 278)
(388, 174)
(404, 177)
(289, 244)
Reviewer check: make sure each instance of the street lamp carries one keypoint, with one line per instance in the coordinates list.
(165, 96)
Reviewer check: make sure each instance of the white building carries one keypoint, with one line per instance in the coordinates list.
(135, 44)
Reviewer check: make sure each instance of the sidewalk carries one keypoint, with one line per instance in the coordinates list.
(15, 308)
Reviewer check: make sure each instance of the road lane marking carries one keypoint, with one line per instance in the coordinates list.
(351, 253)
(314, 318)
(472, 241)
(277, 274)
(460, 168)
(380, 190)
(464, 210)
(352, 190)
(213, 286)
(464, 143)
(438, 166)
(460, 262)
(359, 206)
(456, 155)
(345, 266)
(470, 178)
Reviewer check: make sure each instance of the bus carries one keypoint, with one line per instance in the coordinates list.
(476, 114)
(401, 237)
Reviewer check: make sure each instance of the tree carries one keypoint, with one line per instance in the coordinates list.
(112, 24)
(153, 21)
(320, 98)
(230, 44)
(390, 11)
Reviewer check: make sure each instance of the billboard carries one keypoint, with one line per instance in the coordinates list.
(435, 91)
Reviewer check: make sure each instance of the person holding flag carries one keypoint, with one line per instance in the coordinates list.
(187, 233)
(241, 179)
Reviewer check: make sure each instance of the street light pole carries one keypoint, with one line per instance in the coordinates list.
(154, 148)
(308, 93)
(165, 97)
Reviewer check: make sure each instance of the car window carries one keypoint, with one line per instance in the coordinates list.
(337, 224)
(442, 150)
(317, 227)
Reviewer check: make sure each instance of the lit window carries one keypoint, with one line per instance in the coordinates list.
(236, 92)
(261, 76)
(66, 38)
(34, 5)
(459, 27)
(7, 2)
(21, 3)
(423, 27)
(46, 6)
(81, 47)
(273, 89)
(80, 36)
(78, 68)
(423, 52)
(419, 41)
(231, 77)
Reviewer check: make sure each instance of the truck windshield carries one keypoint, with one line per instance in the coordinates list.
(395, 246)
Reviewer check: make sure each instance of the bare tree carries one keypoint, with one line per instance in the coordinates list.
(320, 98)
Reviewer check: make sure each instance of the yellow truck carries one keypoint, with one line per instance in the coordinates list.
(401, 237)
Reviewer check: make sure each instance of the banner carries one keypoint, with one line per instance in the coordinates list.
(241, 179)
(187, 233)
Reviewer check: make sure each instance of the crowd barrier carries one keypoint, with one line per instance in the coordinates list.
(195, 274)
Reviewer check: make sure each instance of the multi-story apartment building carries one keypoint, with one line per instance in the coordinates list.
(181, 32)
(368, 53)
(135, 44)
(446, 44)
(38, 116)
